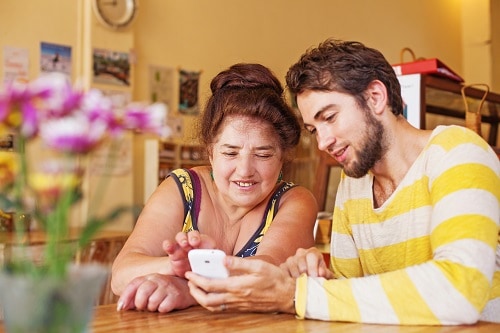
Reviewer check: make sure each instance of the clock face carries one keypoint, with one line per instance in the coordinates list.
(115, 13)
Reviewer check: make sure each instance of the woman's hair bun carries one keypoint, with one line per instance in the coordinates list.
(246, 76)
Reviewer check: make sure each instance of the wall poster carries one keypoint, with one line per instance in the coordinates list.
(161, 85)
(188, 92)
(15, 64)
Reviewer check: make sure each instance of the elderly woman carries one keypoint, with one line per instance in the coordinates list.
(239, 204)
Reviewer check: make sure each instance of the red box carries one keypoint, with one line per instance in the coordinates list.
(432, 66)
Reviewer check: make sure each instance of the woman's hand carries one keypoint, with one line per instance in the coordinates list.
(178, 250)
(254, 285)
(156, 292)
(309, 261)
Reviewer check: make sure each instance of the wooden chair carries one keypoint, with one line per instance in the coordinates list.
(104, 252)
(497, 150)
(320, 186)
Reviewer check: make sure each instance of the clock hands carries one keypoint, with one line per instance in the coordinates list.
(112, 3)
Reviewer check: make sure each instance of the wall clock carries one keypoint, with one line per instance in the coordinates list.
(115, 14)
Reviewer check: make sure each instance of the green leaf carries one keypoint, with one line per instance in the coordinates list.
(94, 224)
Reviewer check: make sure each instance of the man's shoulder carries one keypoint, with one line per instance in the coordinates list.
(452, 136)
(453, 145)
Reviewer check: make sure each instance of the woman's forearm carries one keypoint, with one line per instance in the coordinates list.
(132, 265)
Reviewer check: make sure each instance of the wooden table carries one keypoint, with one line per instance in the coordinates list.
(198, 320)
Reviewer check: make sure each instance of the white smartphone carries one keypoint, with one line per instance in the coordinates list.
(208, 263)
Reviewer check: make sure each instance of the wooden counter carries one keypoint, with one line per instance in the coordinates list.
(198, 320)
(38, 237)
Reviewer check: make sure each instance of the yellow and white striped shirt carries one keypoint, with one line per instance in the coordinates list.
(430, 255)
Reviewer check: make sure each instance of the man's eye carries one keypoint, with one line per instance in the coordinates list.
(264, 155)
(329, 118)
(229, 153)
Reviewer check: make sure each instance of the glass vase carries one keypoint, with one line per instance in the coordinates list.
(44, 304)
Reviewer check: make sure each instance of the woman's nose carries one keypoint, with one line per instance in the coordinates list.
(245, 165)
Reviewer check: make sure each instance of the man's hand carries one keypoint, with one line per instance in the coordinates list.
(309, 261)
(254, 285)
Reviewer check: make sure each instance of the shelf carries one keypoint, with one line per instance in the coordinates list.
(173, 156)
(444, 97)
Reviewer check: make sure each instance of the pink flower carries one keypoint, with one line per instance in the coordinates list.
(150, 119)
(61, 97)
(70, 122)
(76, 134)
(18, 109)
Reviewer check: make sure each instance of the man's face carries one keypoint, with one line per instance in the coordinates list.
(346, 131)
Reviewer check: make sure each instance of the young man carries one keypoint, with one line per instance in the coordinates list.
(415, 235)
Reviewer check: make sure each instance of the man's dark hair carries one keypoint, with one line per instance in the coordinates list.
(346, 67)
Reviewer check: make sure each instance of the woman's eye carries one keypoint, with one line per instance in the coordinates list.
(229, 153)
(310, 130)
(264, 155)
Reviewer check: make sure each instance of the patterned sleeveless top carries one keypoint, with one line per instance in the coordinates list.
(190, 189)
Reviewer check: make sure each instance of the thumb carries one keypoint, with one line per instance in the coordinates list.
(207, 242)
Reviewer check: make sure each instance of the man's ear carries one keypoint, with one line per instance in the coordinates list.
(376, 94)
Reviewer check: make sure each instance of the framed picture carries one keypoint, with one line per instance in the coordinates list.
(111, 67)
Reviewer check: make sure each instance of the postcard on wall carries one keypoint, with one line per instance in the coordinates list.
(111, 67)
(188, 92)
(15, 64)
(55, 58)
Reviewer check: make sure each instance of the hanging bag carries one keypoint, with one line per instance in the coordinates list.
(473, 117)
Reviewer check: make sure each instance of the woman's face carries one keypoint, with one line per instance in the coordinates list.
(246, 160)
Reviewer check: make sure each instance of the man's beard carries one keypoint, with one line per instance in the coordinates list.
(373, 148)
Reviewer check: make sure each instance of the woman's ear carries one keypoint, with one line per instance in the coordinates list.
(376, 93)
(210, 152)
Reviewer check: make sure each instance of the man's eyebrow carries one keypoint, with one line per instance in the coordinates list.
(318, 114)
(322, 110)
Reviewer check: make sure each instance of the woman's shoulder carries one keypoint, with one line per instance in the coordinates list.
(203, 173)
(199, 172)
(296, 193)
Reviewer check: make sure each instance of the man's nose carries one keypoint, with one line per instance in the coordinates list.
(325, 139)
